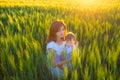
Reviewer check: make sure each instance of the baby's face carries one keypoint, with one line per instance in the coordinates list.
(70, 43)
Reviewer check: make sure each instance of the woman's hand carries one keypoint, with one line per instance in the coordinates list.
(62, 67)
(60, 64)
(70, 60)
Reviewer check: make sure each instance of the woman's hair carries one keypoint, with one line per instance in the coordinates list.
(54, 28)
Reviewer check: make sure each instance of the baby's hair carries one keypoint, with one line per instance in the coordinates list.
(70, 36)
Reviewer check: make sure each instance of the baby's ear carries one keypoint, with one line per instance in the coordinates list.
(76, 42)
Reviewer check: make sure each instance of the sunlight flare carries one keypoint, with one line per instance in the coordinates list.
(90, 2)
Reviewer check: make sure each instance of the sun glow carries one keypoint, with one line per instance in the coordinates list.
(96, 3)
(90, 2)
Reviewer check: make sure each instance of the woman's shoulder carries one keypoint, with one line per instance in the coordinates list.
(50, 44)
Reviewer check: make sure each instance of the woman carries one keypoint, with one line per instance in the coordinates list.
(55, 46)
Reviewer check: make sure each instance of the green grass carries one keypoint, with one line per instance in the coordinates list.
(24, 29)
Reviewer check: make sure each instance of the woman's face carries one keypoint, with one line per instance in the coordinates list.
(60, 33)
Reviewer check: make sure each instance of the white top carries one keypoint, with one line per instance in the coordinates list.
(58, 49)
(69, 49)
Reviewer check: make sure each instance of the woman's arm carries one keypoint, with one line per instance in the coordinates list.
(65, 62)
(57, 64)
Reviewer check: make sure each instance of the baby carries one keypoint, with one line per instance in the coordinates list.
(70, 44)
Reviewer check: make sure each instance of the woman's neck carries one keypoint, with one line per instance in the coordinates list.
(59, 41)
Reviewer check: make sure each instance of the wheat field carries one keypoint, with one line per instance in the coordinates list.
(24, 26)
